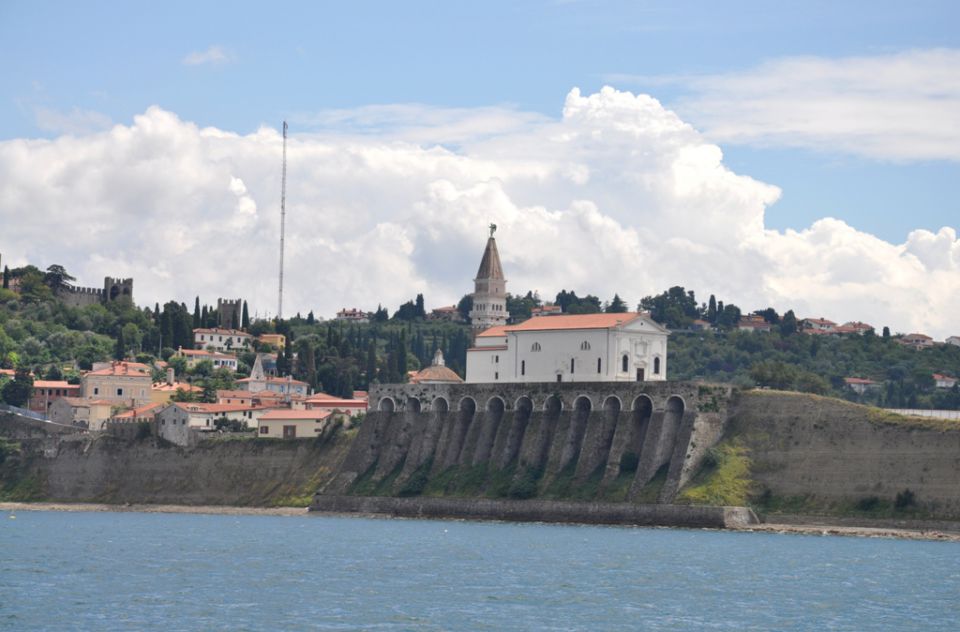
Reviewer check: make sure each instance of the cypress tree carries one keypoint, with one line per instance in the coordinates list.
(6, 277)
(196, 313)
(119, 349)
(712, 310)
(245, 324)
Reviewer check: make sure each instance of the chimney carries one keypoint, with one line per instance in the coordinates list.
(170, 376)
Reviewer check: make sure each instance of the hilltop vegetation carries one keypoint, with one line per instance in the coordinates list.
(39, 333)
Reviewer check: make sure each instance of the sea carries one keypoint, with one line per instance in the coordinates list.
(149, 571)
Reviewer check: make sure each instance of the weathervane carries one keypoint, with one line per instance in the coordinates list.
(493, 229)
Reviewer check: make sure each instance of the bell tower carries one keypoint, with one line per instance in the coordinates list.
(490, 289)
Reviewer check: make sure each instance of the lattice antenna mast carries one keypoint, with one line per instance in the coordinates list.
(283, 218)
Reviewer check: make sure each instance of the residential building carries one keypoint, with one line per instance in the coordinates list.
(854, 327)
(218, 360)
(546, 310)
(944, 381)
(808, 325)
(203, 416)
(294, 424)
(221, 339)
(162, 392)
(353, 315)
(490, 290)
(953, 340)
(571, 348)
(860, 385)
(121, 383)
(332, 403)
(753, 322)
(916, 341)
(450, 314)
(260, 381)
(145, 413)
(46, 391)
(277, 341)
(78, 411)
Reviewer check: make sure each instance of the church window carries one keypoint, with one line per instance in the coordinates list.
(523, 367)
(535, 347)
(656, 366)
(584, 346)
(625, 363)
(598, 365)
(497, 359)
(496, 375)
(572, 364)
(119, 392)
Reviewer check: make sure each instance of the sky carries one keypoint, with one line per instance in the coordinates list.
(800, 155)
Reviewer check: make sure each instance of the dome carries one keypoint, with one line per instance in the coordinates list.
(436, 373)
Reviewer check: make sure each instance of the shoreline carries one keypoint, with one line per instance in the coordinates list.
(11, 508)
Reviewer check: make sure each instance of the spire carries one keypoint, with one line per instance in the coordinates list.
(256, 373)
(490, 267)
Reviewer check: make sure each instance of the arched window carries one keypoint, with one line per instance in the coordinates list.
(598, 365)
(625, 364)
(584, 346)
(523, 367)
(572, 361)
(656, 366)
(535, 347)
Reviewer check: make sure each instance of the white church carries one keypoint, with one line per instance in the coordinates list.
(606, 347)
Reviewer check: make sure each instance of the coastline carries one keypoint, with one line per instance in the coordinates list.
(11, 508)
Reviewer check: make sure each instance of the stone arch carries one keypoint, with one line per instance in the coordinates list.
(612, 403)
(387, 405)
(634, 435)
(440, 405)
(553, 406)
(488, 431)
(522, 410)
(467, 403)
(412, 405)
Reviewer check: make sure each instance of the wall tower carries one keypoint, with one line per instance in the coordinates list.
(490, 289)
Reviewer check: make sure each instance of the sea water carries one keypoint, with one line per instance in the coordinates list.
(130, 571)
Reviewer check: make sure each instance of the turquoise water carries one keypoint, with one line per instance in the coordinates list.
(128, 571)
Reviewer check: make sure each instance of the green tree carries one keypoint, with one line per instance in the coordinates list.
(788, 324)
(17, 391)
(617, 305)
(245, 324)
(197, 314)
(120, 347)
(57, 278)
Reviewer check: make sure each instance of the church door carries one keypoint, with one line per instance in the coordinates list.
(639, 375)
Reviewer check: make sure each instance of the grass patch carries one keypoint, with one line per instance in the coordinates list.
(619, 488)
(525, 485)
(498, 483)
(725, 479)
(651, 491)
(417, 481)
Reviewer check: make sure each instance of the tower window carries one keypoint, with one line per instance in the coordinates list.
(598, 365)
(656, 366)
(625, 363)
(584, 346)
(535, 347)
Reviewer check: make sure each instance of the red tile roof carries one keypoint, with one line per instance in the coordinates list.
(55, 384)
(134, 369)
(223, 332)
(574, 321)
(282, 415)
(493, 332)
(138, 412)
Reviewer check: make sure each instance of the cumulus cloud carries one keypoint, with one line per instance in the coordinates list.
(214, 56)
(619, 194)
(902, 107)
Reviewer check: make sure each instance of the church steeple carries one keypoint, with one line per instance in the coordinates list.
(490, 289)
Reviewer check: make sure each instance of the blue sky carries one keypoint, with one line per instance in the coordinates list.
(846, 107)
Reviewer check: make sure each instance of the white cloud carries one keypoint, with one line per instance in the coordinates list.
(214, 55)
(901, 107)
(76, 121)
(618, 195)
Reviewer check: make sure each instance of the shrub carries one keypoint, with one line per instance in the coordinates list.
(868, 504)
(905, 500)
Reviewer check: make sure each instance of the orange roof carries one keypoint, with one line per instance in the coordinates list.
(205, 354)
(858, 380)
(282, 415)
(137, 412)
(124, 368)
(272, 380)
(163, 386)
(499, 330)
(574, 321)
(80, 401)
(195, 407)
(240, 394)
(54, 384)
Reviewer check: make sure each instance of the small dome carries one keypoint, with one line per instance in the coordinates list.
(436, 373)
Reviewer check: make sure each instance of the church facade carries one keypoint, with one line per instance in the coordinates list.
(624, 347)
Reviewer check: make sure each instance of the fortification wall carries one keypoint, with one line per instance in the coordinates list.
(822, 453)
(615, 441)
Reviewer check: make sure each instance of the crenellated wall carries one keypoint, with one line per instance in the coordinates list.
(612, 441)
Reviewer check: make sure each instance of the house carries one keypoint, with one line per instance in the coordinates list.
(294, 424)
(46, 391)
(859, 385)
(353, 315)
(261, 398)
(203, 416)
(89, 413)
(953, 340)
(135, 415)
(332, 403)
(162, 392)
(944, 381)
(121, 383)
(449, 314)
(221, 339)
(916, 341)
(605, 347)
(854, 327)
(701, 325)
(753, 322)
(277, 341)
(546, 310)
(817, 325)
(218, 360)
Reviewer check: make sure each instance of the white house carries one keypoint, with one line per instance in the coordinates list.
(953, 340)
(294, 424)
(218, 360)
(944, 381)
(221, 339)
(620, 347)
